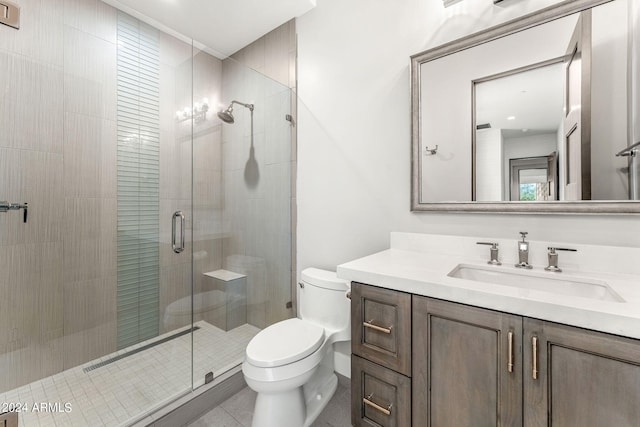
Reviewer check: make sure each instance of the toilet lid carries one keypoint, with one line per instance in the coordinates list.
(284, 342)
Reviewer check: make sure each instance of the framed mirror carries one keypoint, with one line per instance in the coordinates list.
(537, 115)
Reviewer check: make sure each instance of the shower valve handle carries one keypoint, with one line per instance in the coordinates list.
(6, 206)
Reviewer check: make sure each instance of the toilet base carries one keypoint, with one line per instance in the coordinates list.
(283, 409)
(289, 409)
(319, 400)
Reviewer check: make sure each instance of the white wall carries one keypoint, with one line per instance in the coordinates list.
(354, 132)
(489, 170)
(609, 101)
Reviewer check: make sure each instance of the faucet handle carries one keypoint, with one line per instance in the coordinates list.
(523, 234)
(493, 251)
(552, 250)
(553, 258)
(493, 245)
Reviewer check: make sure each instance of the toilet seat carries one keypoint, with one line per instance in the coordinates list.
(285, 342)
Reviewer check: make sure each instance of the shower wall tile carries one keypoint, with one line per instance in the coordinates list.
(277, 129)
(30, 340)
(89, 320)
(50, 293)
(106, 22)
(207, 78)
(90, 156)
(175, 284)
(40, 34)
(8, 100)
(257, 205)
(279, 292)
(207, 257)
(168, 106)
(108, 159)
(175, 166)
(207, 149)
(89, 239)
(174, 52)
(277, 48)
(252, 56)
(31, 177)
(90, 74)
(37, 117)
(91, 16)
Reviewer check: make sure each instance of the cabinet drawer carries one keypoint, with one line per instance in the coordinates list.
(380, 396)
(381, 326)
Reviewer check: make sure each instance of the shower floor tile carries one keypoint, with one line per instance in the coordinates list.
(126, 390)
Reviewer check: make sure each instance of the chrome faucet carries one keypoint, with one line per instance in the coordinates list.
(493, 252)
(523, 252)
(553, 258)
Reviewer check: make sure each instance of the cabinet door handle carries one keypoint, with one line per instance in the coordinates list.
(367, 400)
(534, 349)
(371, 325)
(510, 355)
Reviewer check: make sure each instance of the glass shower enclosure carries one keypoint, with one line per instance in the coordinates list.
(144, 241)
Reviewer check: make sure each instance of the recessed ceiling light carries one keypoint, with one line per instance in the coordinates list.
(511, 118)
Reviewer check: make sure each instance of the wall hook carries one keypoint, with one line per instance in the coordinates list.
(431, 151)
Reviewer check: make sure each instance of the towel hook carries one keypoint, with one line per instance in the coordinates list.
(431, 151)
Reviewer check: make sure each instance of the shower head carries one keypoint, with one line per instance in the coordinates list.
(227, 115)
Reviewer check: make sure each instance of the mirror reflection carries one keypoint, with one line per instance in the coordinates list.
(519, 121)
(547, 112)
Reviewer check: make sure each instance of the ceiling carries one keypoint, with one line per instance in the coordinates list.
(523, 103)
(217, 26)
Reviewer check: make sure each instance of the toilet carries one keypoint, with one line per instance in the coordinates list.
(290, 363)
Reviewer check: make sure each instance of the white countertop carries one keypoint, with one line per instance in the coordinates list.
(419, 264)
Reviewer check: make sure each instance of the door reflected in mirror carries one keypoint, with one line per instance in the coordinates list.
(533, 179)
(519, 122)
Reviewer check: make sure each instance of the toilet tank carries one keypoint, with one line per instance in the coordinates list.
(322, 299)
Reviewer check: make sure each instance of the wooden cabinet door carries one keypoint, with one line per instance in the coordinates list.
(583, 378)
(380, 397)
(381, 326)
(467, 369)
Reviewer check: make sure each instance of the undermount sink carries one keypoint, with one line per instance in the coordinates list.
(537, 281)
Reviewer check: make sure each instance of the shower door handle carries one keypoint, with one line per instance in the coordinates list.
(177, 249)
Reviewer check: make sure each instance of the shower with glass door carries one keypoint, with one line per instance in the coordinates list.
(137, 260)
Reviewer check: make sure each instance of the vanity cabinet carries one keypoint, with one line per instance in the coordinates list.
(381, 360)
(476, 367)
(581, 378)
(479, 367)
(466, 365)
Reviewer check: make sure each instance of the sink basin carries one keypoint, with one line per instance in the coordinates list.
(537, 281)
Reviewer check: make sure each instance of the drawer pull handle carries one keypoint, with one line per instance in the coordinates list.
(367, 400)
(510, 352)
(370, 325)
(534, 349)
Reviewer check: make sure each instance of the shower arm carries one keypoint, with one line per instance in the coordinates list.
(249, 106)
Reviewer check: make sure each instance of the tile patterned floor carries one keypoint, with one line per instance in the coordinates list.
(237, 411)
(127, 390)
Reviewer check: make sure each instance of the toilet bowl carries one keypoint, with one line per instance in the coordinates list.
(290, 363)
